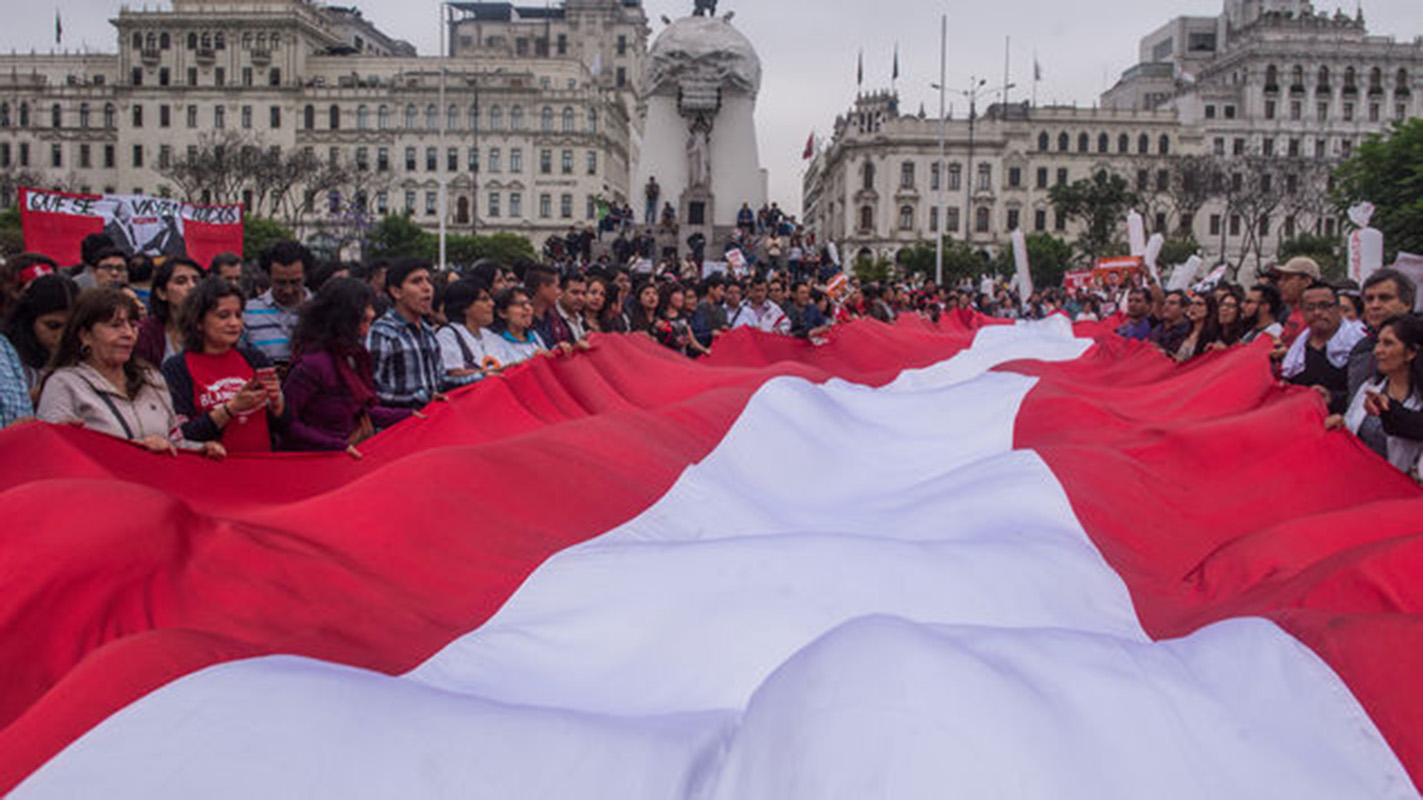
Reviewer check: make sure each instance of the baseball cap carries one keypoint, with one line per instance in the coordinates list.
(1299, 265)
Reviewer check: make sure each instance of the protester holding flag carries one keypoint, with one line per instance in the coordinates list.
(1262, 309)
(405, 353)
(95, 381)
(1204, 328)
(513, 321)
(159, 336)
(466, 344)
(330, 391)
(1398, 382)
(223, 392)
(671, 329)
(1319, 358)
(37, 322)
(1387, 293)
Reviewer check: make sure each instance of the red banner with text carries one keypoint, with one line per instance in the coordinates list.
(55, 224)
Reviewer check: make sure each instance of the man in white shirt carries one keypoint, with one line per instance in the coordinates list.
(757, 311)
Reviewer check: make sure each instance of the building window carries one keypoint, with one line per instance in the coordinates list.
(274, 117)
(1104, 143)
(452, 118)
(56, 155)
(567, 162)
(1043, 142)
(906, 218)
(383, 159)
(985, 176)
(565, 206)
(1163, 145)
(569, 121)
(592, 162)
(474, 159)
(1267, 146)
(363, 118)
(85, 157)
(934, 177)
(516, 204)
(1210, 112)
(247, 117)
(1322, 111)
(980, 222)
(1143, 179)
(1123, 144)
(1064, 143)
(431, 201)
(545, 206)
(1348, 112)
(1059, 221)
(334, 118)
(622, 77)
(165, 116)
(545, 162)
(432, 159)
(1062, 176)
(1234, 224)
(955, 177)
(1013, 217)
(412, 118)
(382, 202)
(496, 118)
(906, 175)
(1269, 109)
(1237, 147)
(1041, 178)
(1230, 112)
(110, 156)
(867, 175)
(516, 118)
(138, 156)
(219, 77)
(1040, 220)
(1084, 143)
(410, 201)
(546, 120)
(24, 154)
(951, 219)
(432, 118)
(493, 205)
(592, 120)
(493, 159)
(516, 160)
(934, 219)
(363, 159)
(867, 218)
(137, 116)
(409, 159)
(1163, 180)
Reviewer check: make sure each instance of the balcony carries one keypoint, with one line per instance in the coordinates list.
(150, 56)
(261, 58)
(206, 56)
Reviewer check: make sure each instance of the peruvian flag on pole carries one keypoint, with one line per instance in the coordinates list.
(809, 147)
(953, 560)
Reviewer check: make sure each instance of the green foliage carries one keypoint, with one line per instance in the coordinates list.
(1177, 250)
(1387, 170)
(1049, 258)
(1100, 203)
(960, 261)
(873, 269)
(399, 236)
(1326, 250)
(12, 241)
(259, 233)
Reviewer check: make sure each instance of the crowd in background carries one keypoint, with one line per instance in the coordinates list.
(292, 354)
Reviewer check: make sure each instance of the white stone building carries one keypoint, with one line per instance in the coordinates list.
(1269, 95)
(523, 141)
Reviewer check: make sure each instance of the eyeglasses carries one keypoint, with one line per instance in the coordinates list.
(1313, 307)
(111, 267)
(288, 282)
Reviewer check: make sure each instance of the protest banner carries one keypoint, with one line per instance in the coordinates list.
(55, 224)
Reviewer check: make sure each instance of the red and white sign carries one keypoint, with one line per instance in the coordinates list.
(922, 560)
(55, 224)
(1077, 279)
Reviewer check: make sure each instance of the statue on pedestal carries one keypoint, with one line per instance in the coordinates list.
(699, 155)
(704, 8)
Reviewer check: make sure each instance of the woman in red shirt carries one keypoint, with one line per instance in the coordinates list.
(222, 391)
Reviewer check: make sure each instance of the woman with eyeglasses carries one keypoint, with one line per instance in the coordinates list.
(513, 322)
(1397, 387)
(1202, 315)
(1229, 317)
(96, 382)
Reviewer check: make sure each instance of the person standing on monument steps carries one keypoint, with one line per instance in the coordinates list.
(653, 193)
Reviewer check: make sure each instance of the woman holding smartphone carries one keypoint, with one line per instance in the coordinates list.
(223, 392)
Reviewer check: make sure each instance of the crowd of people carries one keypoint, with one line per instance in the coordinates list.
(292, 354)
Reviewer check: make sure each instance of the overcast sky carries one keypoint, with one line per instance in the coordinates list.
(809, 49)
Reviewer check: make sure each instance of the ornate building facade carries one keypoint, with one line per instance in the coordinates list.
(1255, 108)
(522, 141)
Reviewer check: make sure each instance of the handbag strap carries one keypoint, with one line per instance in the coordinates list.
(113, 408)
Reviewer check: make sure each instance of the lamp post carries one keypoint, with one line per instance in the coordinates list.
(444, 205)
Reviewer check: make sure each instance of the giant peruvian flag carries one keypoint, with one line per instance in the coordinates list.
(918, 561)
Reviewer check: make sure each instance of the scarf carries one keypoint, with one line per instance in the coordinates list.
(1337, 350)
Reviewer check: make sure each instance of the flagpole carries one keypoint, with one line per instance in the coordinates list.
(1007, 50)
(1037, 76)
(444, 122)
(943, 176)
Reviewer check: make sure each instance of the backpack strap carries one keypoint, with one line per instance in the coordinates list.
(465, 352)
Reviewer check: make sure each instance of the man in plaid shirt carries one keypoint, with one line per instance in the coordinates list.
(405, 356)
(14, 388)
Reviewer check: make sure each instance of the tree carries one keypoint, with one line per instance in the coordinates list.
(259, 233)
(1323, 249)
(398, 236)
(873, 269)
(1100, 204)
(1177, 250)
(1387, 170)
(12, 240)
(1049, 259)
(961, 262)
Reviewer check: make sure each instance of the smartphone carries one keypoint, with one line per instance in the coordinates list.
(265, 374)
